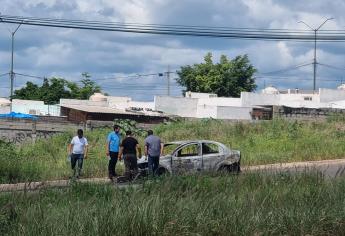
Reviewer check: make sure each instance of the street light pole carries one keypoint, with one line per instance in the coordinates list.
(315, 40)
(12, 59)
(314, 77)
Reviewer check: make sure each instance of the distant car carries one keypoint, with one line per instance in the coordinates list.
(195, 156)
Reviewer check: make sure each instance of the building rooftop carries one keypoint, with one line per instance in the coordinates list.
(107, 110)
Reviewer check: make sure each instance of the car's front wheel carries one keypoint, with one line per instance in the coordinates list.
(233, 168)
(161, 171)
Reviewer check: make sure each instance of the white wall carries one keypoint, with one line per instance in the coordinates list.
(206, 111)
(256, 99)
(118, 102)
(207, 107)
(329, 95)
(184, 107)
(34, 107)
(148, 105)
(4, 109)
(234, 113)
(299, 97)
(220, 101)
(200, 95)
(291, 100)
(77, 102)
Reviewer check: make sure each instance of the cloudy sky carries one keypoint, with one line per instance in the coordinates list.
(111, 56)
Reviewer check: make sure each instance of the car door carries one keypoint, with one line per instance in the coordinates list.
(187, 159)
(212, 153)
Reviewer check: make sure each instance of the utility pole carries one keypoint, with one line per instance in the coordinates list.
(315, 39)
(12, 58)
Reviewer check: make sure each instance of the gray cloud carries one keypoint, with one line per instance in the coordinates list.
(67, 53)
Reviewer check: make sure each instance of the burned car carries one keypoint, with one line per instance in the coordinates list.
(195, 156)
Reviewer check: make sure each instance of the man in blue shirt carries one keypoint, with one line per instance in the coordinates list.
(112, 148)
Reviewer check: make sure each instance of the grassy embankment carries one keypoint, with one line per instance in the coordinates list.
(248, 204)
(260, 143)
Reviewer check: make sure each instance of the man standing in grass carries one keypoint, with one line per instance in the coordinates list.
(78, 152)
(153, 149)
(112, 150)
(130, 148)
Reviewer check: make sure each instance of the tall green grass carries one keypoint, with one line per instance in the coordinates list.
(260, 143)
(248, 204)
(267, 142)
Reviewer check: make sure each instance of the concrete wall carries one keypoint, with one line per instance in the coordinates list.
(77, 102)
(34, 107)
(256, 99)
(206, 111)
(4, 109)
(21, 130)
(220, 101)
(234, 113)
(118, 102)
(298, 97)
(292, 100)
(200, 95)
(129, 104)
(329, 95)
(184, 107)
(148, 105)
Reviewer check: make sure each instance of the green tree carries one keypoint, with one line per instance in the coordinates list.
(228, 78)
(89, 87)
(53, 89)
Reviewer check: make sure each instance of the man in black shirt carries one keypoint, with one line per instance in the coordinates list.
(130, 148)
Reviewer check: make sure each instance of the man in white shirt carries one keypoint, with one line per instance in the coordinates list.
(78, 152)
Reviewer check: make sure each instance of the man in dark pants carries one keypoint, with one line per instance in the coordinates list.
(112, 150)
(130, 148)
(153, 149)
(78, 152)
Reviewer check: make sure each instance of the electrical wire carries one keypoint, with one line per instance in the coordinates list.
(30, 76)
(294, 78)
(286, 69)
(266, 34)
(331, 66)
(4, 74)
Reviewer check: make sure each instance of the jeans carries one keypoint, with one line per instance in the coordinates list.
(131, 165)
(77, 159)
(112, 163)
(153, 163)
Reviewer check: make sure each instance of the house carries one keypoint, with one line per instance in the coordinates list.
(108, 108)
(252, 105)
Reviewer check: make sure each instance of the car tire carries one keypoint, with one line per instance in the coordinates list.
(161, 171)
(233, 168)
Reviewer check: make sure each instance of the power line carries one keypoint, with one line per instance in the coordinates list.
(171, 26)
(264, 34)
(4, 74)
(294, 78)
(30, 76)
(331, 66)
(287, 69)
(126, 77)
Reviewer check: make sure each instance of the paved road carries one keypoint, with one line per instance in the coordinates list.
(330, 169)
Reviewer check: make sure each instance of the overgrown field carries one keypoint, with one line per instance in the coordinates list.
(247, 204)
(260, 143)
